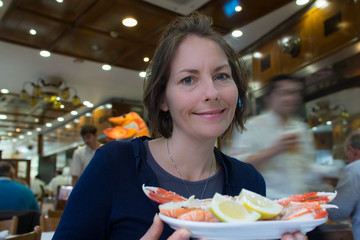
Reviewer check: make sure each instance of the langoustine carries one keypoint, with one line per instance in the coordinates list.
(296, 207)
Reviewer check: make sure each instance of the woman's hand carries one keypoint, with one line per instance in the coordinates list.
(294, 236)
(156, 229)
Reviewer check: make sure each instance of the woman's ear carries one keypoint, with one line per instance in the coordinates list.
(163, 106)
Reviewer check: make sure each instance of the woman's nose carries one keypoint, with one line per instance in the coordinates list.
(210, 91)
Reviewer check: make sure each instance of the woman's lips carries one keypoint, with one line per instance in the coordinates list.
(211, 114)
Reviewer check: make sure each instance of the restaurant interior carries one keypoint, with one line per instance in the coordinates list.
(69, 63)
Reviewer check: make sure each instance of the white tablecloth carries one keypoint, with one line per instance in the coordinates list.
(44, 235)
(47, 235)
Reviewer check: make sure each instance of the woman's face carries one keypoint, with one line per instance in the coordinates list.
(200, 94)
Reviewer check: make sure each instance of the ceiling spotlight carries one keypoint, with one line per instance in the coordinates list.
(4, 91)
(238, 8)
(142, 74)
(146, 59)
(129, 22)
(45, 53)
(1, 3)
(106, 67)
(32, 32)
(257, 55)
(237, 33)
(301, 2)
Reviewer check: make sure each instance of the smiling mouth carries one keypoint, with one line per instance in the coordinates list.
(211, 113)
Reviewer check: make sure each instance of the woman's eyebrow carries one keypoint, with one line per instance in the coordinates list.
(189, 70)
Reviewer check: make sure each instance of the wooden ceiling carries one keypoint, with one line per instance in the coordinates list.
(92, 29)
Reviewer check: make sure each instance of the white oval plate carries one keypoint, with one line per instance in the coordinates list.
(247, 230)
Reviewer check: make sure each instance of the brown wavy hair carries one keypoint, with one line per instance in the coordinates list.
(158, 72)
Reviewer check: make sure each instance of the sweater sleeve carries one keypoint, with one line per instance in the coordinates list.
(88, 210)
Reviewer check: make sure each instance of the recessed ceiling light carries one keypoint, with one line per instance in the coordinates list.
(32, 32)
(45, 53)
(60, 119)
(257, 55)
(238, 8)
(29, 133)
(106, 67)
(321, 4)
(38, 129)
(3, 116)
(146, 59)
(74, 113)
(1, 3)
(142, 74)
(129, 22)
(4, 91)
(301, 2)
(17, 130)
(60, 1)
(48, 124)
(237, 33)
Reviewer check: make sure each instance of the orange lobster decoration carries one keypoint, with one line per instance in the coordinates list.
(127, 126)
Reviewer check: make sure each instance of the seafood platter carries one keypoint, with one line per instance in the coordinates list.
(248, 216)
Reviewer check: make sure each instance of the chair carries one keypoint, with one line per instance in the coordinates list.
(11, 225)
(34, 235)
(49, 224)
(55, 213)
(28, 219)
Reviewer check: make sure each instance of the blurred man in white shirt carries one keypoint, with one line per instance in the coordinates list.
(278, 144)
(82, 155)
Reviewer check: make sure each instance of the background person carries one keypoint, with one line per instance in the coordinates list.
(192, 90)
(62, 178)
(14, 196)
(37, 186)
(277, 143)
(83, 154)
(348, 197)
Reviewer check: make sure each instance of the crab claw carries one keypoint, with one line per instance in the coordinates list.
(319, 197)
(161, 196)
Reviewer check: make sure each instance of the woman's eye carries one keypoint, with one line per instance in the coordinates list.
(187, 80)
(222, 76)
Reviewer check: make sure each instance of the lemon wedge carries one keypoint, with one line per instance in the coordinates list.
(266, 207)
(228, 210)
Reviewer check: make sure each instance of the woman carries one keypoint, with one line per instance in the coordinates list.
(195, 92)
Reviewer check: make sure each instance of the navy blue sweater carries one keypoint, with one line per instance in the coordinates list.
(108, 202)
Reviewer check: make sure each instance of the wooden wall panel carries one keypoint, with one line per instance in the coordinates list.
(270, 57)
(357, 7)
(300, 29)
(333, 26)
